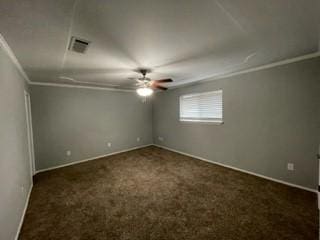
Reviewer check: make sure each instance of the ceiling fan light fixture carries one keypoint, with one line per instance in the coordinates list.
(144, 91)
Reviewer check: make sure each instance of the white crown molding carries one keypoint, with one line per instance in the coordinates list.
(254, 69)
(11, 55)
(66, 85)
(9, 52)
(5, 46)
(239, 169)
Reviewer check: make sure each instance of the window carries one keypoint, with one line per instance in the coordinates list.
(202, 107)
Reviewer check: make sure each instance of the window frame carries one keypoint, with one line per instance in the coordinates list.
(215, 121)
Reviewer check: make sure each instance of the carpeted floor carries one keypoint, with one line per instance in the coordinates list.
(152, 193)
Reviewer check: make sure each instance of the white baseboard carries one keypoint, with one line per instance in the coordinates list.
(167, 148)
(239, 169)
(92, 158)
(23, 213)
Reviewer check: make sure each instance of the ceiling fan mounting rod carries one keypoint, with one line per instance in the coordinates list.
(144, 71)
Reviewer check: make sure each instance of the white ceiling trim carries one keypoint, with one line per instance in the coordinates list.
(9, 52)
(270, 65)
(5, 46)
(79, 86)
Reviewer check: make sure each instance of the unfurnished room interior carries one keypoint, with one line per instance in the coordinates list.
(159, 119)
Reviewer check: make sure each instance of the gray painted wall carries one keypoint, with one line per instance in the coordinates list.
(83, 121)
(271, 117)
(15, 178)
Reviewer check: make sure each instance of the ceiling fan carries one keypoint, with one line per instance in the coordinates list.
(146, 86)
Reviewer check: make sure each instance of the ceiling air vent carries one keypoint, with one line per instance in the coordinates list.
(78, 45)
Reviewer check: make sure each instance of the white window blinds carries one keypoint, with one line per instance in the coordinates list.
(202, 107)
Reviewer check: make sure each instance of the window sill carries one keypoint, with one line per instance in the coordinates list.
(214, 122)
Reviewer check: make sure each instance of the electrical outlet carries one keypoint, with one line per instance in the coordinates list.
(161, 139)
(22, 189)
(138, 139)
(68, 152)
(109, 144)
(290, 166)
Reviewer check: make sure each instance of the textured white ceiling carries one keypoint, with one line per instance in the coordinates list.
(187, 40)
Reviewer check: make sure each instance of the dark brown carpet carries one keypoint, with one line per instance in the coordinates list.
(153, 193)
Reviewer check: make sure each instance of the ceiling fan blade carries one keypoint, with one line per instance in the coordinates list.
(164, 80)
(160, 87)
